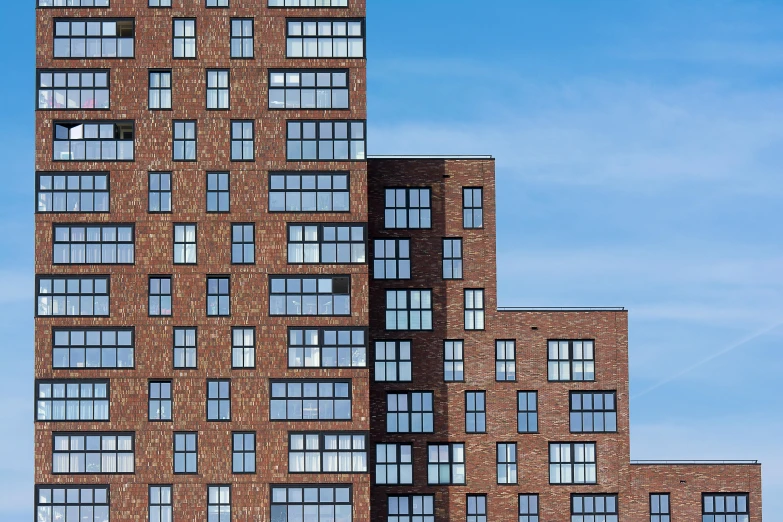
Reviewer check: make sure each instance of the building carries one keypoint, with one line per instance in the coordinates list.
(240, 317)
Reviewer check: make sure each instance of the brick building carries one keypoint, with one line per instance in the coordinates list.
(241, 317)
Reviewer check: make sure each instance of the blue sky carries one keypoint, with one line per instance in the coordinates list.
(638, 150)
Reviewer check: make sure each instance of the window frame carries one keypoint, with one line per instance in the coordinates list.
(571, 360)
(185, 243)
(480, 515)
(511, 466)
(302, 294)
(217, 192)
(242, 140)
(302, 503)
(397, 361)
(243, 347)
(592, 411)
(408, 310)
(160, 505)
(160, 295)
(321, 332)
(663, 516)
(219, 504)
(220, 400)
(453, 361)
(79, 487)
(66, 174)
(100, 329)
(184, 141)
(160, 191)
(217, 89)
(85, 451)
(307, 6)
(66, 71)
(450, 463)
(410, 498)
(527, 412)
(65, 399)
(331, 20)
(321, 242)
(174, 20)
(453, 259)
(218, 279)
(315, 191)
(161, 399)
(607, 515)
(39, 6)
(86, 19)
(409, 411)
(285, 88)
(317, 140)
(184, 452)
(473, 208)
(150, 89)
(407, 208)
(529, 515)
(505, 362)
(476, 411)
(398, 463)
(101, 242)
(322, 449)
(184, 347)
(244, 452)
(398, 260)
(99, 140)
(573, 463)
(318, 398)
(477, 312)
(737, 494)
(66, 278)
(242, 38)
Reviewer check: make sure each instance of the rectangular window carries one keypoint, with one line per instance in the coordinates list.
(159, 3)
(325, 38)
(92, 348)
(308, 3)
(218, 295)
(326, 140)
(391, 259)
(218, 400)
(184, 347)
(319, 503)
(74, 3)
(72, 192)
(327, 348)
(310, 400)
(242, 140)
(393, 361)
(327, 452)
(593, 412)
(660, 511)
(160, 504)
(527, 412)
(528, 508)
(219, 503)
(218, 192)
(409, 412)
(93, 38)
(184, 140)
(446, 463)
(93, 245)
(159, 192)
(310, 295)
(241, 38)
(572, 463)
(475, 412)
(243, 452)
(477, 508)
(72, 400)
(217, 3)
(409, 309)
(308, 89)
(218, 89)
(95, 141)
(160, 401)
(243, 347)
(505, 360)
(411, 508)
(72, 503)
(186, 452)
(326, 243)
(472, 208)
(311, 192)
(184, 244)
(507, 463)
(160, 295)
(95, 453)
(453, 361)
(73, 89)
(160, 90)
(474, 309)
(571, 360)
(184, 38)
(408, 208)
(393, 464)
(588, 508)
(73, 296)
(452, 259)
(724, 506)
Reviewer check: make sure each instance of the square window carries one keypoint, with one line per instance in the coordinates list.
(446, 464)
(393, 361)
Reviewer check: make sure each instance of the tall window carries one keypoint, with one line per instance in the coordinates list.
(93, 38)
(308, 89)
(80, 348)
(242, 140)
(587, 508)
(159, 192)
(243, 452)
(411, 508)
(78, 503)
(477, 508)
(660, 511)
(93, 245)
(327, 348)
(507, 463)
(325, 38)
(391, 259)
(72, 400)
(314, 452)
(219, 503)
(472, 207)
(393, 361)
(73, 296)
(160, 400)
(96, 453)
(593, 412)
(453, 361)
(475, 412)
(446, 463)
(218, 192)
(186, 452)
(724, 506)
(160, 295)
(184, 347)
(184, 38)
(160, 90)
(70, 89)
(409, 412)
(160, 504)
(310, 400)
(184, 244)
(218, 296)
(409, 309)
(184, 140)
(97, 141)
(572, 463)
(326, 140)
(72, 192)
(452, 259)
(218, 400)
(474, 309)
(324, 502)
(326, 243)
(316, 192)
(527, 412)
(243, 347)
(310, 295)
(241, 38)
(393, 464)
(217, 89)
(528, 508)
(571, 360)
(408, 208)
(505, 360)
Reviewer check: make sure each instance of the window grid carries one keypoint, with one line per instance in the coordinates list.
(321, 503)
(160, 90)
(159, 192)
(327, 348)
(93, 141)
(660, 510)
(184, 40)
(160, 296)
(308, 3)
(243, 348)
(241, 38)
(308, 89)
(474, 309)
(391, 259)
(159, 3)
(311, 192)
(572, 463)
(242, 140)
(589, 508)
(185, 452)
(453, 361)
(325, 38)
(218, 296)
(93, 244)
(218, 192)
(452, 258)
(528, 508)
(73, 503)
(184, 140)
(103, 453)
(446, 463)
(393, 464)
(409, 412)
(72, 400)
(593, 412)
(322, 452)
(243, 452)
(332, 140)
(72, 192)
(219, 503)
(527, 412)
(476, 508)
(505, 360)
(310, 296)
(472, 207)
(475, 412)
(218, 400)
(409, 309)
(411, 508)
(217, 3)
(393, 361)
(507, 462)
(160, 504)
(717, 507)
(185, 347)
(571, 360)
(74, 3)
(310, 400)
(408, 208)
(73, 89)
(160, 401)
(94, 37)
(73, 296)
(84, 348)
(218, 89)
(327, 243)
(185, 244)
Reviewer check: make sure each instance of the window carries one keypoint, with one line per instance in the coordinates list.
(95, 453)
(327, 348)
(477, 508)
(593, 412)
(453, 361)
(475, 412)
(243, 347)
(93, 245)
(218, 192)
(73, 3)
(527, 412)
(308, 3)
(217, 3)
(505, 360)
(587, 508)
(327, 453)
(409, 412)
(72, 400)
(474, 309)
(93, 38)
(310, 295)
(218, 296)
(160, 504)
(411, 508)
(72, 503)
(159, 3)
(325, 38)
(72, 192)
(452, 259)
(217, 89)
(659, 507)
(717, 507)
(571, 463)
(408, 309)
(85, 348)
(219, 503)
(184, 347)
(310, 400)
(321, 504)
(160, 400)
(160, 90)
(160, 295)
(159, 192)
(97, 141)
(528, 508)
(186, 452)
(507, 463)
(184, 38)
(326, 243)
(408, 208)
(325, 140)
(316, 192)
(472, 208)
(218, 400)
(392, 259)
(571, 360)
(242, 141)
(72, 296)
(184, 244)
(73, 89)
(393, 361)
(243, 459)
(308, 89)
(241, 38)
(393, 464)
(184, 140)
(446, 463)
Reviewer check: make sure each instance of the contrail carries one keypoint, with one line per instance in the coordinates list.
(729, 348)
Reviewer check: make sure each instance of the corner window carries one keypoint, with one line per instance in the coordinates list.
(325, 38)
(326, 140)
(593, 412)
(93, 38)
(96, 141)
(72, 192)
(73, 296)
(308, 89)
(72, 400)
(73, 89)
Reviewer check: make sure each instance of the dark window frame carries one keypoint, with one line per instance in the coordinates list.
(118, 126)
(315, 191)
(242, 140)
(184, 452)
(725, 511)
(323, 243)
(449, 258)
(322, 344)
(303, 136)
(409, 412)
(100, 37)
(184, 140)
(94, 505)
(479, 508)
(454, 361)
(451, 462)
(397, 260)
(185, 348)
(285, 88)
(531, 512)
(101, 242)
(243, 451)
(479, 313)
(505, 361)
(472, 209)
(348, 20)
(100, 451)
(217, 192)
(347, 506)
(593, 411)
(185, 242)
(398, 463)
(66, 278)
(527, 412)
(572, 463)
(407, 208)
(100, 330)
(184, 38)
(321, 450)
(659, 513)
(426, 501)
(571, 360)
(218, 401)
(67, 89)
(38, 4)
(218, 294)
(317, 382)
(65, 399)
(408, 310)
(160, 295)
(610, 516)
(511, 466)
(220, 505)
(217, 90)
(160, 89)
(478, 412)
(161, 400)
(342, 278)
(397, 362)
(160, 191)
(39, 191)
(243, 348)
(160, 505)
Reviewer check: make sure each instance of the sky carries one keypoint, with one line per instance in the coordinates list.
(639, 148)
